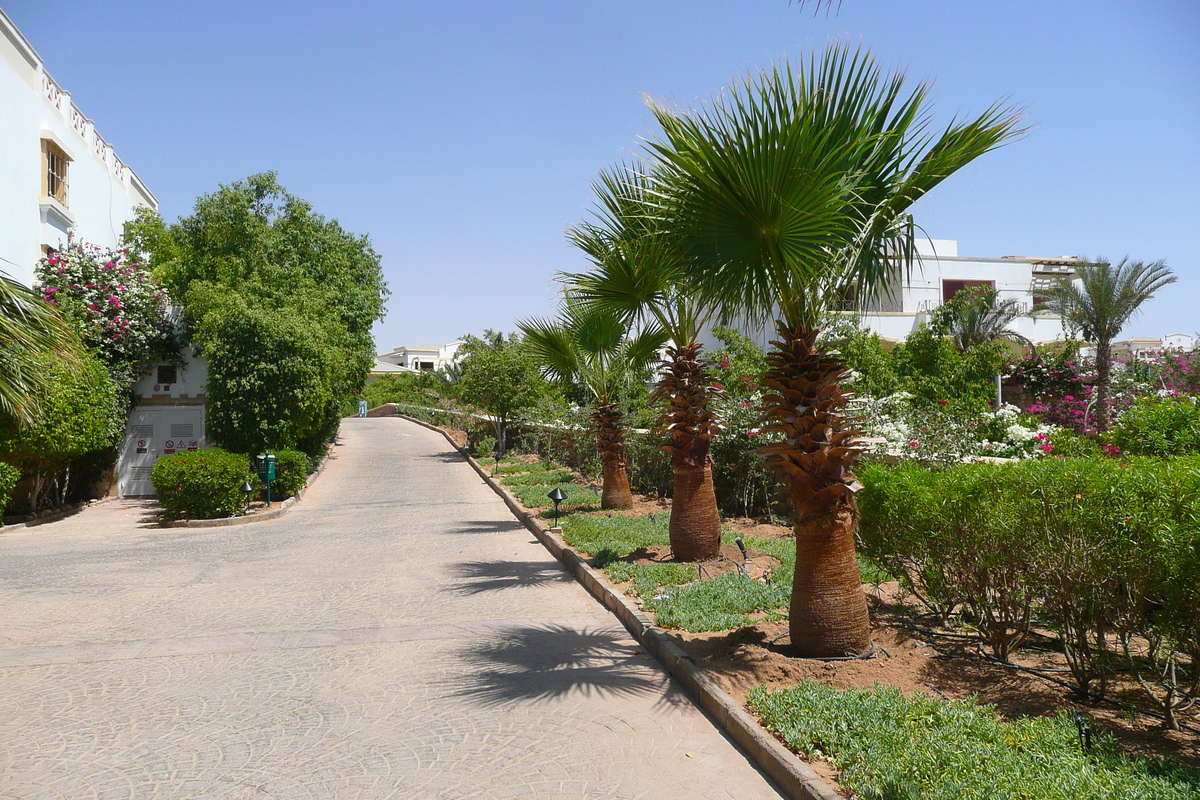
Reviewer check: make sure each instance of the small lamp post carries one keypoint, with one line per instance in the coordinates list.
(498, 453)
(557, 495)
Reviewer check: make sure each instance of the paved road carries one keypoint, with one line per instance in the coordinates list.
(396, 635)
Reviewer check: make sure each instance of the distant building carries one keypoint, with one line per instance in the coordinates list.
(58, 175)
(381, 368)
(939, 274)
(426, 358)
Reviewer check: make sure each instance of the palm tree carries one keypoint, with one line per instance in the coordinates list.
(30, 331)
(639, 277)
(1106, 297)
(595, 349)
(785, 191)
(976, 316)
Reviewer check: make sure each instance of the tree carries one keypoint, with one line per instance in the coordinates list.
(500, 376)
(786, 191)
(639, 276)
(30, 333)
(975, 316)
(1106, 297)
(114, 305)
(251, 247)
(79, 414)
(595, 349)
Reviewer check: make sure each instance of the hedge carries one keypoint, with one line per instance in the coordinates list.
(204, 484)
(9, 475)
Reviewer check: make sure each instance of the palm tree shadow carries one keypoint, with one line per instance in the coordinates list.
(488, 526)
(491, 576)
(445, 457)
(552, 661)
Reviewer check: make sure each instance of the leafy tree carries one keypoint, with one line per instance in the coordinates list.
(269, 378)
(79, 414)
(639, 276)
(30, 333)
(422, 388)
(934, 369)
(113, 303)
(873, 368)
(1106, 297)
(785, 192)
(253, 248)
(500, 375)
(595, 349)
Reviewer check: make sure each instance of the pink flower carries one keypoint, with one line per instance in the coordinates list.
(747, 403)
(1048, 448)
(1041, 437)
(943, 402)
(914, 444)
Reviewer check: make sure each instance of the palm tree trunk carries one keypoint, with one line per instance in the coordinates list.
(804, 403)
(690, 425)
(1103, 387)
(610, 439)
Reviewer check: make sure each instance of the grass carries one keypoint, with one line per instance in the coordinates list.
(578, 497)
(542, 477)
(892, 747)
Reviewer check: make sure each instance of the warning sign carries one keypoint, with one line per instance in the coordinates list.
(169, 447)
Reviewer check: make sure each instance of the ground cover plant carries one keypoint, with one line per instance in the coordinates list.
(892, 747)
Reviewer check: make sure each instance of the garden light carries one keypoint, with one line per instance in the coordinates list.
(557, 495)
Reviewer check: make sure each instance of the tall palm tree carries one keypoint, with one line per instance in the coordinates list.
(1106, 297)
(639, 276)
(784, 191)
(30, 330)
(595, 349)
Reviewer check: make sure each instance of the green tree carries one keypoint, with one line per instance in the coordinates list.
(975, 316)
(786, 191)
(251, 247)
(30, 333)
(639, 276)
(595, 349)
(79, 414)
(501, 376)
(1107, 296)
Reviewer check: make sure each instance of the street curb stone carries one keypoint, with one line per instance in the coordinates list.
(796, 778)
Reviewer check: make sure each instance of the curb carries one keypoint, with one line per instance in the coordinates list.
(262, 516)
(790, 773)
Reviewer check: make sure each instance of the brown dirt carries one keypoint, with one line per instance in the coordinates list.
(758, 565)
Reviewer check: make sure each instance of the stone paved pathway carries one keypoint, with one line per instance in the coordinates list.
(396, 635)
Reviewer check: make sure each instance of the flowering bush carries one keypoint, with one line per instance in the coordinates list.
(204, 484)
(1159, 426)
(112, 302)
(942, 432)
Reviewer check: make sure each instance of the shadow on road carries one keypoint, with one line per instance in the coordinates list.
(488, 526)
(490, 576)
(445, 457)
(542, 663)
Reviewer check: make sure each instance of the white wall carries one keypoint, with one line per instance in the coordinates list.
(102, 191)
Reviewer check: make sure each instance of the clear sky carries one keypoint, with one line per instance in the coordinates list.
(464, 136)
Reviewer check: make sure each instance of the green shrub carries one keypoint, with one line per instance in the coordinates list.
(887, 745)
(291, 474)
(204, 484)
(1160, 426)
(9, 475)
(1091, 545)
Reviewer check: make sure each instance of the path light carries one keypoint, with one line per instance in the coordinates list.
(498, 453)
(557, 495)
(247, 488)
(741, 546)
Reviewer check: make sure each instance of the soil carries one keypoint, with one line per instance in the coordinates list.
(911, 653)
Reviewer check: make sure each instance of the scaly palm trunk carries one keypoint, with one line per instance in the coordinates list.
(1103, 387)
(803, 401)
(610, 439)
(690, 425)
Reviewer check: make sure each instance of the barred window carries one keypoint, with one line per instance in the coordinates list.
(55, 162)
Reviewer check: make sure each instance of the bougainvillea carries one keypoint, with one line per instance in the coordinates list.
(113, 302)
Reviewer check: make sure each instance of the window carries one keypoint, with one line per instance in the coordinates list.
(55, 162)
(951, 288)
(166, 374)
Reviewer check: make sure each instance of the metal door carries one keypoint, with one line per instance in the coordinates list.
(150, 434)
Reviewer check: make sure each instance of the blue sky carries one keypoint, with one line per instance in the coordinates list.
(464, 136)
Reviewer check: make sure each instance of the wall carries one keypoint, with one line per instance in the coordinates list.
(103, 191)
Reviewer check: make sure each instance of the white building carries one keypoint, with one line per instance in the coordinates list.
(427, 357)
(57, 173)
(939, 273)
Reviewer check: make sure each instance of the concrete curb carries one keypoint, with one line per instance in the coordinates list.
(262, 516)
(790, 773)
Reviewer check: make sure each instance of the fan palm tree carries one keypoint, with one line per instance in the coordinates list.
(595, 349)
(783, 192)
(638, 276)
(1106, 297)
(30, 330)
